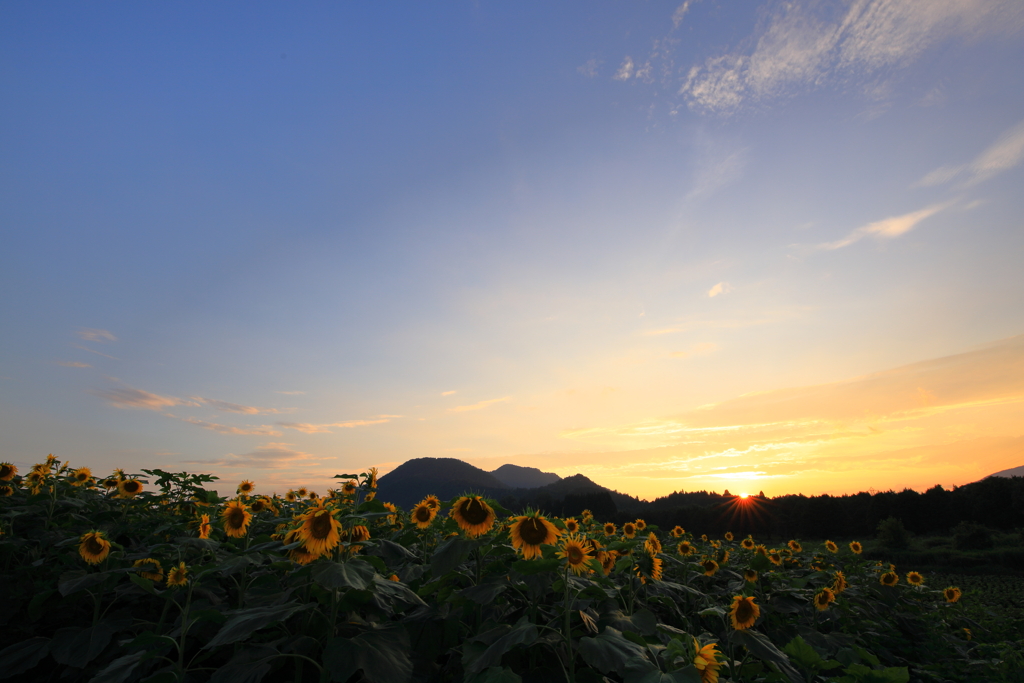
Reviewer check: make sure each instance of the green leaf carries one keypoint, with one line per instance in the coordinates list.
(382, 655)
(119, 670)
(642, 621)
(76, 580)
(352, 574)
(75, 646)
(143, 583)
(528, 567)
(484, 593)
(523, 633)
(495, 674)
(610, 651)
(449, 555)
(249, 665)
(20, 657)
(35, 606)
(654, 675)
(243, 623)
(764, 649)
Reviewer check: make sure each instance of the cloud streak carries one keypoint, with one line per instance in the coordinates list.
(263, 430)
(478, 406)
(799, 47)
(227, 407)
(94, 335)
(887, 228)
(73, 364)
(1005, 153)
(130, 398)
(270, 456)
(310, 428)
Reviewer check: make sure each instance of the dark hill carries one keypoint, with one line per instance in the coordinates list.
(446, 478)
(1012, 472)
(516, 477)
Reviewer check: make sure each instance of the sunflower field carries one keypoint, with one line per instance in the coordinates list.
(154, 577)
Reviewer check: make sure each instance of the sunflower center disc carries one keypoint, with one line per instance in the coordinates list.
(533, 532)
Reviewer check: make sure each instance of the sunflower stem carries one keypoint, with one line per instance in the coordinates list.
(184, 631)
(567, 621)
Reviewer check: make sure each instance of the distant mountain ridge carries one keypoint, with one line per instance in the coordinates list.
(446, 478)
(1012, 472)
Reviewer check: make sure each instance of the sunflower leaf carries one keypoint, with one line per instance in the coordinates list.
(760, 646)
(496, 674)
(352, 574)
(610, 651)
(120, 670)
(250, 665)
(523, 633)
(77, 580)
(21, 657)
(382, 655)
(243, 623)
(450, 555)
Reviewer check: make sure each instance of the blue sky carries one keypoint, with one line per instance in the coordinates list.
(280, 242)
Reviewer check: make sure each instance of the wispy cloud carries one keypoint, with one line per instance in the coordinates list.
(263, 430)
(802, 47)
(701, 349)
(127, 397)
(720, 288)
(310, 428)
(73, 364)
(290, 393)
(589, 69)
(94, 335)
(478, 406)
(270, 456)
(227, 407)
(887, 228)
(448, 393)
(1002, 155)
(677, 16)
(625, 71)
(85, 348)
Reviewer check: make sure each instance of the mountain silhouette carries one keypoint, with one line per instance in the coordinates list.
(516, 477)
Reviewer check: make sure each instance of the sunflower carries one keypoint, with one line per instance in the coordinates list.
(371, 478)
(574, 550)
(422, 515)
(81, 477)
(290, 496)
(94, 547)
(723, 557)
(795, 547)
(571, 525)
(35, 478)
(716, 544)
(109, 483)
(349, 488)
(729, 536)
(6, 490)
(205, 527)
(704, 537)
(298, 554)
(747, 543)
(640, 524)
(744, 612)
(831, 547)
(839, 584)
(392, 518)
(370, 495)
(7, 471)
(587, 516)
(823, 599)
(150, 569)
(775, 557)
(473, 515)
(952, 594)
(705, 660)
(967, 633)
(710, 566)
(761, 550)
(177, 576)
(129, 488)
(432, 501)
(915, 579)
(685, 548)
(856, 547)
(358, 534)
(260, 505)
(629, 530)
(750, 575)
(652, 545)
(246, 487)
(530, 532)
(608, 558)
(678, 531)
(609, 529)
(649, 567)
(319, 531)
(236, 518)
(889, 579)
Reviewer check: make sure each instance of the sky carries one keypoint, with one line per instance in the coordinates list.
(758, 246)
